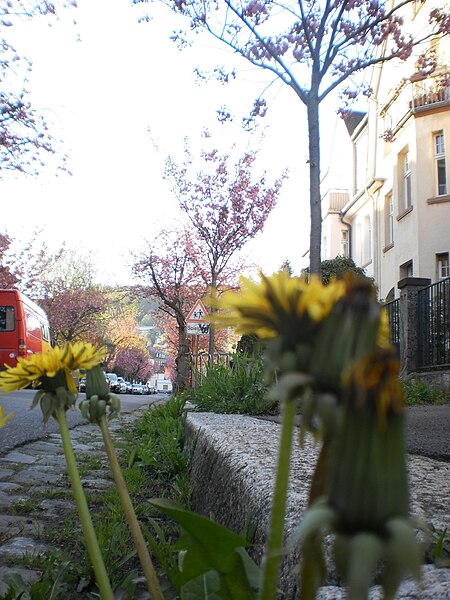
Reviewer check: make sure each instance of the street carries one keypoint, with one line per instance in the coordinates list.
(27, 425)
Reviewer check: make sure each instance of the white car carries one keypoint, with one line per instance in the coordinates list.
(137, 388)
(122, 385)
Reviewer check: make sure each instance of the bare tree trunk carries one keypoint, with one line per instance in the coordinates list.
(314, 190)
(212, 333)
(183, 359)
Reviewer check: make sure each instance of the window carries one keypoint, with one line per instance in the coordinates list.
(439, 157)
(443, 266)
(406, 270)
(345, 250)
(7, 318)
(388, 220)
(406, 183)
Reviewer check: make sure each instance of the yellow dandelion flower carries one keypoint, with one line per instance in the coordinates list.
(276, 304)
(21, 376)
(6, 418)
(82, 356)
(318, 299)
(57, 364)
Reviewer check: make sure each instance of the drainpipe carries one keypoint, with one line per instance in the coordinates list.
(349, 229)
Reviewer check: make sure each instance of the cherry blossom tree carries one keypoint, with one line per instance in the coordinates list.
(24, 263)
(75, 315)
(226, 203)
(313, 47)
(24, 135)
(8, 278)
(171, 269)
(122, 329)
(133, 364)
(75, 305)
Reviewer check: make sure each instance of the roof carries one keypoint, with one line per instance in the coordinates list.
(353, 119)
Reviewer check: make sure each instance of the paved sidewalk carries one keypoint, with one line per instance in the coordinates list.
(35, 492)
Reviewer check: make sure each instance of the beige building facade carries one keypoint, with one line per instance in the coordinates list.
(394, 220)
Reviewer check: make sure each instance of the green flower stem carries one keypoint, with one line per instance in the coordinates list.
(273, 551)
(93, 548)
(136, 532)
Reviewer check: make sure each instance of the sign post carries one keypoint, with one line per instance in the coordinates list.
(197, 316)
(196, 325)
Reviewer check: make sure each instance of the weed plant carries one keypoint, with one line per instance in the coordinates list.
(239, 388)
(418, 391)
(159, 449)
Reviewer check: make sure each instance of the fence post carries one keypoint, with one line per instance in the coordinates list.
(409, 322)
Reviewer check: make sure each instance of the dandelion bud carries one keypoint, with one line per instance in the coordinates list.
(101, 402)
(369, 481)
(349, 332)
(96, 383)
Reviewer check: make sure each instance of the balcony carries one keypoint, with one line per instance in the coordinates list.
(412, 97)
(430, 99)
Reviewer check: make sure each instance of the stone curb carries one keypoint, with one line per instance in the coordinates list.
(232, 478)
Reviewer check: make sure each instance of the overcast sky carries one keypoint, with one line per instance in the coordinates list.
(103, 95)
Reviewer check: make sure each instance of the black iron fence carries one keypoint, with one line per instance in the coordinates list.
(202, 360)
(433, 325)
(393, 311)
(433, 306)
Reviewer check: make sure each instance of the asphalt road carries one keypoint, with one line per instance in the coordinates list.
(27, 425)
(428, 431)
(427, 427)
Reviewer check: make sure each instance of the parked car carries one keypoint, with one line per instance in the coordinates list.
(122, 385)
(138, 388)
(114, 384)
(129, 387)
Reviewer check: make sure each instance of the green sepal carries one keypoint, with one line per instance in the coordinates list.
(38, 395)
(318, 516)
(313, 568)
(366, 549)
(48, 404)
(403, 555)
(290, 385)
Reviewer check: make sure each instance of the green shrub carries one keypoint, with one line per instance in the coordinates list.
(238, 388)
(418, 391)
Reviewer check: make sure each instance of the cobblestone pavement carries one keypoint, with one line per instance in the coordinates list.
(35, 492)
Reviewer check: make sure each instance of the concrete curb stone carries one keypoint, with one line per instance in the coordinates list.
(232, 478)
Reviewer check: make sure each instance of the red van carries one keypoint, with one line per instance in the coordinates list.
(24, 328)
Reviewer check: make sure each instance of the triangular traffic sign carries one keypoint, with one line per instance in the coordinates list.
(197, 314)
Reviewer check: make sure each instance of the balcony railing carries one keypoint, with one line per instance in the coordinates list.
(430, 99)
(411, 98)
